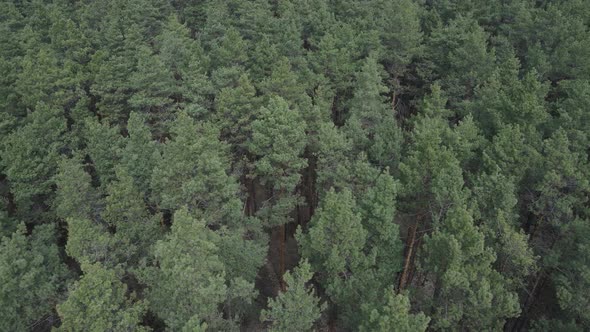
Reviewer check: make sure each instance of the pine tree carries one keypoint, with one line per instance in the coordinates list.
(283, 82)
(99, 302)
(334, 247)
(460, 57)
(193, 171)
(44, 80)
(371, 125)
(495, 197)
(398, 25)
(30, 156)
(278, 140)
(11, 31)
(570, 265)
(506, 99)
(125, 211)
(468, 292)
(236, 107)
(104, 146)
(33, 277)
(75, 196)
(92, 242)
(154, 87)
(189, 278)
(377, 207)
(395, 313)
(139, 155)
(367, 107)
(228, 58)
(563, 185)
(297, 308)
(574, 94)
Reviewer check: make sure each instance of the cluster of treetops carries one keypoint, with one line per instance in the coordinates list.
(294, 165)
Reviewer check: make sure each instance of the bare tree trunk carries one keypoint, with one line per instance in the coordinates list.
(272, 276)
(520, 323)
(410, 243)
(282, 257)
(309, 187)
(251, 200)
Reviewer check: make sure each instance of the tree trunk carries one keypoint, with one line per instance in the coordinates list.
(282, 257)
(521, 322)
(410, 243)
(251, 200)
(272, 277)
(308, 187)
(393, 100)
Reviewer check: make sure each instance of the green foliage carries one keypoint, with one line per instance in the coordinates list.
(236, 106)
(243, 250)
(334, 147)
(112, 66)
(170, 79)
(33, 277)
(285, 83)
(460, 57)
(297, 308)
(189, 278)
(506, 99)
(158, 145)
(44, 80)
(565, 172)
(278, 137)
(192, 171)
(335, 238)
(334, 59)
(431, 170)
(277, 144)
(556, 34)
(377, 209)
(572, 117)
(468, 292)
(194, 325)
(571, 277)
(103, 145)
(139, 155)
(555, 325)
(334, 247)
(395, 313)
(91, 242)
(126, 212)
(398, 25)
(7, 223)
(75, 197)
(30, 155)
(10, 28)
(495, 197)
(509, 150)
(368, 107)
(99, 302)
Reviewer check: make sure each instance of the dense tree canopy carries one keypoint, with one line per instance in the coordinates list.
(283, 165)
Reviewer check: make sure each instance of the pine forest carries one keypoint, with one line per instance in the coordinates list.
(294, 165)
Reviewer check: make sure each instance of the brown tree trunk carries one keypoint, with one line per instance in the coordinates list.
(272, 277)
(308, 186)
(251, 200)
(521, 322)
(538, 283)
(393, 100)
(313, 202)
(410, 243)
(282, 257)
